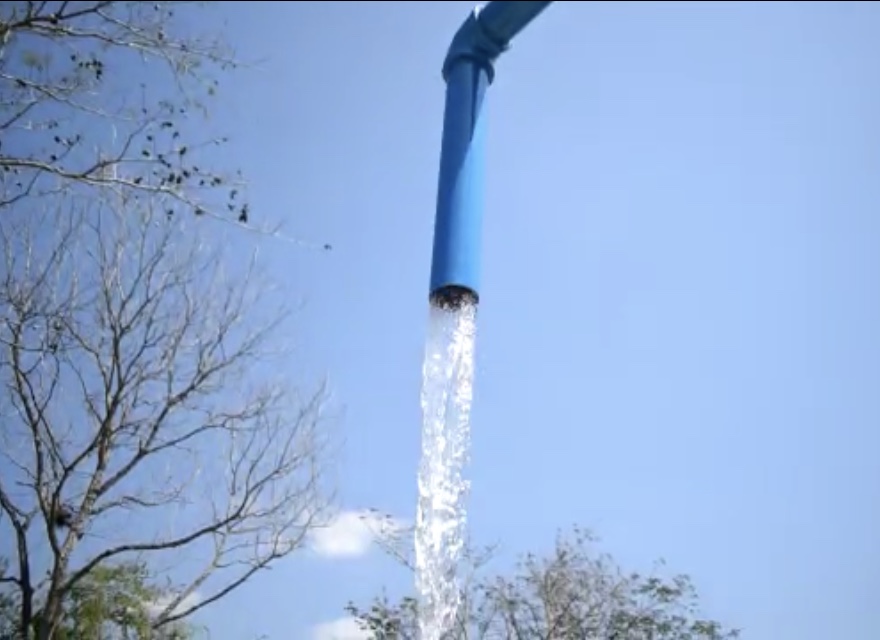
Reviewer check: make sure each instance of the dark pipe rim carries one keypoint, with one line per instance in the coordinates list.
(453, 297)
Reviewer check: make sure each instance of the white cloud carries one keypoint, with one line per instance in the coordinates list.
(352, 533)
(341, 629)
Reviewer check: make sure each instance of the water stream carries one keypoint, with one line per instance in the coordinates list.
(447, 391)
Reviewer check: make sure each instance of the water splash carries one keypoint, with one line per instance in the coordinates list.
(447, 392)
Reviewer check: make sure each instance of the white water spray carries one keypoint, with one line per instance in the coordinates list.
(447, 392)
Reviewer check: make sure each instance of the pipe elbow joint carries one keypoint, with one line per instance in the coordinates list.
(473, 43)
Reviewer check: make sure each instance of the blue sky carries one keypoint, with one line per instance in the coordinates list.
(678, 341)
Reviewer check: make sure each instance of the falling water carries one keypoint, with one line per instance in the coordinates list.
(447, 391)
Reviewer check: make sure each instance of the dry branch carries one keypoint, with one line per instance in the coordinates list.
(113, 95)
(139, 371)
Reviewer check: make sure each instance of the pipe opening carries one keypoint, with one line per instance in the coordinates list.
(453, 297)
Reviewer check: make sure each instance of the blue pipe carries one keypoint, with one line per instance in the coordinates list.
(468, 71)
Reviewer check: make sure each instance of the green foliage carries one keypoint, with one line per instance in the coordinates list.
(8, 605)
(571, 594)
(113, 602)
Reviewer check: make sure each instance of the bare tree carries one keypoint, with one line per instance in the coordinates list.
(573, 593)
(147, 413)
(112, 94)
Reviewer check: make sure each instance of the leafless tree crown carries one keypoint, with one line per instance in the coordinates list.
(146, 411)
